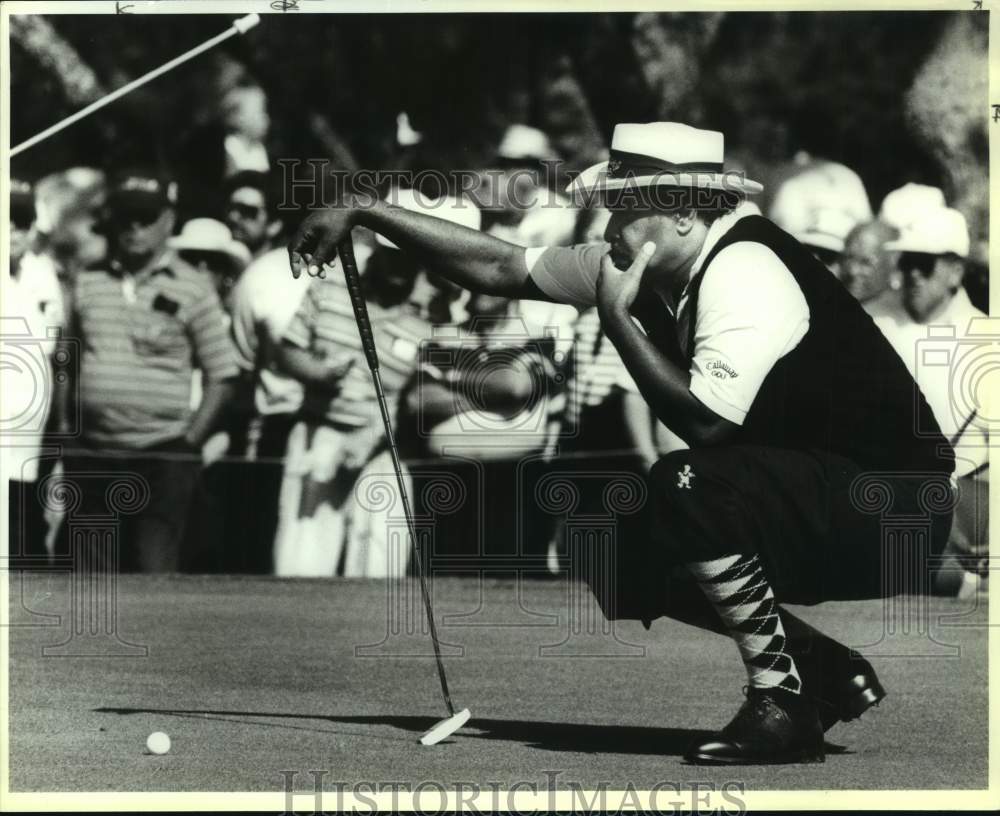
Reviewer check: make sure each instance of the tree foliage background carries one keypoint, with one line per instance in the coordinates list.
(837, 85)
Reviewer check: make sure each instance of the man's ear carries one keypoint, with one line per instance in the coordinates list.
(274, 228)
(685, 220)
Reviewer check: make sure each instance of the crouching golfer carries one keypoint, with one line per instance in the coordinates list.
(799, 415)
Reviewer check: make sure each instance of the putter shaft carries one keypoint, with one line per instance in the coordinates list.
(415, 542)
(346, 251)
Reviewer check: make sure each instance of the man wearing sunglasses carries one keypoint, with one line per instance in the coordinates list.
(252, 211)
(933, 247)
(933, 250)
(143, 321)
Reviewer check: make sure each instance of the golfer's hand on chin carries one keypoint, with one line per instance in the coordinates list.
(617, 289)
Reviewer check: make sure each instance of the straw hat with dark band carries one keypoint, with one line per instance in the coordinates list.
(661, 154)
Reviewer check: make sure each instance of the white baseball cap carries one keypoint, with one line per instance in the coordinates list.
(827, 228)
(905, 204)
(459, 211)
(521, 142)
(819, 186)
(937, 231)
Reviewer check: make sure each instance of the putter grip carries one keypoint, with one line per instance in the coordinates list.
(346, 250)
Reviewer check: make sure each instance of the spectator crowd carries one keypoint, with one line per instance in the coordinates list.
(180, 350)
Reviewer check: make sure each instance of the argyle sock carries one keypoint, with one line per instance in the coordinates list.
(738, 589)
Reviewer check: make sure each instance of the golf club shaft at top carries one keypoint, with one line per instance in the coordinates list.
(240, 26)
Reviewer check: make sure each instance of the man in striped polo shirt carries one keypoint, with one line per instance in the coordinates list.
(144, 321)
(338, 440)
(339, 428)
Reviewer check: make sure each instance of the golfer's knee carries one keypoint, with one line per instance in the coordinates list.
(694, 515)
(686, 478)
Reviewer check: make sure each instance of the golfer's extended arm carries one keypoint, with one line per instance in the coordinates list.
(665, 385)
(472, 259)
(469, 258)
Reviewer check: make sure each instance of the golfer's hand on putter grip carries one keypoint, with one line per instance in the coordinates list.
(314, 245)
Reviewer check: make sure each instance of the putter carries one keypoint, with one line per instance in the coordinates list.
(455, 719)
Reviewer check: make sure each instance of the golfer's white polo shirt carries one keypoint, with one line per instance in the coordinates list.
(750, 312)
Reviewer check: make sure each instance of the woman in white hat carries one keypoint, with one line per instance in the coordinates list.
(787, 394)
(209, 247)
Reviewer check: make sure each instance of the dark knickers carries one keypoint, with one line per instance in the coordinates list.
(824, 527)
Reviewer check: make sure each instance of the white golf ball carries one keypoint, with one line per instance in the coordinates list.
(158, 743)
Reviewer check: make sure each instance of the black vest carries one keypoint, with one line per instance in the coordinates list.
(842, 389)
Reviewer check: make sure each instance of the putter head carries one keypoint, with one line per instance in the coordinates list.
(445, 728)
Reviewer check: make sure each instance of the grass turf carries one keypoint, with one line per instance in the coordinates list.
(251, 677)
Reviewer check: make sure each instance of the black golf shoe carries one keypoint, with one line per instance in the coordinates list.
(771, 727)
(842, 684)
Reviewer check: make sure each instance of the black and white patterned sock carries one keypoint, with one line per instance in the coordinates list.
(738, 589)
